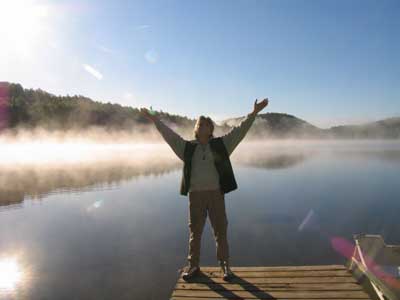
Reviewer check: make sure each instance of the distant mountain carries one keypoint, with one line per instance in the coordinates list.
(387, 128)
(279, 125)
(29, 108)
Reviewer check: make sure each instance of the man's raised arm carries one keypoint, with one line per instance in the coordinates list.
(174, 140)
(236, 135)
(233, 138)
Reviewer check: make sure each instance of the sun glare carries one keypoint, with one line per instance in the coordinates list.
(10, 273)
(22, 25)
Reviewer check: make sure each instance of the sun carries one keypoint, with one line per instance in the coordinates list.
(23, 26)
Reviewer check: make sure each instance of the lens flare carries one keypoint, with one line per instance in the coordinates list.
(346, 249)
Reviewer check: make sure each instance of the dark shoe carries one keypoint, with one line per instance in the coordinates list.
(226, 271)
(190, 272)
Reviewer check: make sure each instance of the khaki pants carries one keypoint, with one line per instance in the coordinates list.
(213, 202)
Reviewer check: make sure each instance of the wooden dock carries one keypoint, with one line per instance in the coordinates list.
(290, 282)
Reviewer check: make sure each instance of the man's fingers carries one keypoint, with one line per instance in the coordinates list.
(145, 112)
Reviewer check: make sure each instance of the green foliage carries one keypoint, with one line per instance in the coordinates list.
(29, 108)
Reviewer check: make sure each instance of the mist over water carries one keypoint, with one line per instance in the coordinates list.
(106, 218)
(90, 203)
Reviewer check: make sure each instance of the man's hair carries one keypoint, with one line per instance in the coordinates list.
(197, 125)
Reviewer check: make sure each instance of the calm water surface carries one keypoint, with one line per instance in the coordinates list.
(112, 225)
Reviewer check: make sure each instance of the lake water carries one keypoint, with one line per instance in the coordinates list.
(108, 222)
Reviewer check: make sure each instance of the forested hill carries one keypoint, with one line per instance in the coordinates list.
(29, 108)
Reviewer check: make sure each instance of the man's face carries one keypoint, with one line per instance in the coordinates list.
(204, 129)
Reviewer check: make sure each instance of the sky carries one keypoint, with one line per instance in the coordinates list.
(327, 62)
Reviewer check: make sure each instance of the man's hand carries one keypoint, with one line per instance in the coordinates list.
(259, 106)
(147, 114)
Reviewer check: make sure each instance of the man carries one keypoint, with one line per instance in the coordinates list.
(207, 176)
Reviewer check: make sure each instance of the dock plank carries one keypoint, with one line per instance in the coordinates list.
(275, 274)
(278, 268)
(275, 287)
(272, 294)
(271, 282)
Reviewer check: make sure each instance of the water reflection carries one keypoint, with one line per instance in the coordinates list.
(107, 169)
(104, 170)
(271, 160)
(126, 236)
